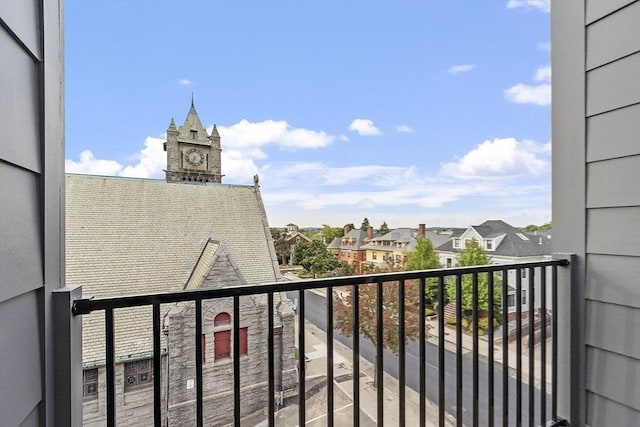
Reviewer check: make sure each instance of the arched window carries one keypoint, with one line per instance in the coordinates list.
(222, 337)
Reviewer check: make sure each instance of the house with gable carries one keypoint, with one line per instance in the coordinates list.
(349, 247)
(133, 236)
(293, 237)
(504, 244)
(391, 250)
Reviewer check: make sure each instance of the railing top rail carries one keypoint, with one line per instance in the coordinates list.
(88, 305)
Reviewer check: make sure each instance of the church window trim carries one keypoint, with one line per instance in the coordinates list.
(222, 338)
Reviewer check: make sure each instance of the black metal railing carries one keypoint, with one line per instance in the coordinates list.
(508, 406)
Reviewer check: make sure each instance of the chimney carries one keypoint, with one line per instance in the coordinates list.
(421, 230)
(369, 232)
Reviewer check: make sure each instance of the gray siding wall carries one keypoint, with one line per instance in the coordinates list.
(31, 228)
(596, 198)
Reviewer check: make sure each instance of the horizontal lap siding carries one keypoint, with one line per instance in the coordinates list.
(22, 278)
(613, 212)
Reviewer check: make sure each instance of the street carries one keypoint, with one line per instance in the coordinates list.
(315, 312)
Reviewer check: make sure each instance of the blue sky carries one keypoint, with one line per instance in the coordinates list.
(408, 112)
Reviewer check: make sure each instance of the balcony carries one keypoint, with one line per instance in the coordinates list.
(461, 371)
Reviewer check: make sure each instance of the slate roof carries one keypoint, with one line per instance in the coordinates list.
(357, 234)
(127, 235)
(516, 243)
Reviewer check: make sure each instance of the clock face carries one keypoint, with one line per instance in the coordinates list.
(194, 157)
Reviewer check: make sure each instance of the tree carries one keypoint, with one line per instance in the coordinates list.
(314, 257)
(283, 251)
(365, 224)
(531, 227)
(384, 228)
(343, 314)
(474, 255)
(329, 233)
(424, 257)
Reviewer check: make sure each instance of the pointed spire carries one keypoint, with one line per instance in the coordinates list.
(214, 132)
(172, 125)
(192, 125)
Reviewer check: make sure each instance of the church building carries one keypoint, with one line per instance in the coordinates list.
(133, 236)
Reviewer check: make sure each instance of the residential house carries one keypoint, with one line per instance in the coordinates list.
(294, 237)
(391, 250)
(504, 244)
(127, 236)
(348, 248)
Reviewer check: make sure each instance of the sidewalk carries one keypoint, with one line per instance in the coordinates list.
(343, 386)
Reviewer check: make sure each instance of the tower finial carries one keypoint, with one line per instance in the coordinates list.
(192, 100)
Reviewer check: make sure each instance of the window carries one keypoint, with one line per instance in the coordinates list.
(222, 337)
(449, 262)
(138, 373)
(194, 134)
(374, 255)
(90, 383)
(456, 243)
(489, 244)
(222, 344)
(524, 297)
(511, 300)
(523, 273)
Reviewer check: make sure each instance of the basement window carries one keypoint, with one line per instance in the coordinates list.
(90, 383)
(138, 374)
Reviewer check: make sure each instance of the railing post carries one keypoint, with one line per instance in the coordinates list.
(570, 318)
(67, 350)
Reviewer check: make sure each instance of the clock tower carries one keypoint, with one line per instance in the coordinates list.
(193, 156)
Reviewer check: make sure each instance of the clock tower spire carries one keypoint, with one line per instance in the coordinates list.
(193, 156)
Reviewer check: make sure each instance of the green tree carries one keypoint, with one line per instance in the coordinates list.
(365, 224)
(384, 228)
(546, 226)
(329, 233)
(343, 314)
(474, 255)
(283, 252)
(424, 257)
(530, 227)
(314, 257)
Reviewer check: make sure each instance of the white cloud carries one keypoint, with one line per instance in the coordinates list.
(539, 94)
(185, 82)
(88, 164)
(344, 138)
(364, 127)
(527, 94)
(499, 158)
(543, 74)
(462, 68)
(245, 134)
(151, 161)
(543, 5)
(404, 129)
(546, 46)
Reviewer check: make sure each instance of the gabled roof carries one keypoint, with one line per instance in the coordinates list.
(357, 235)
(126, 236)
(515, 242)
